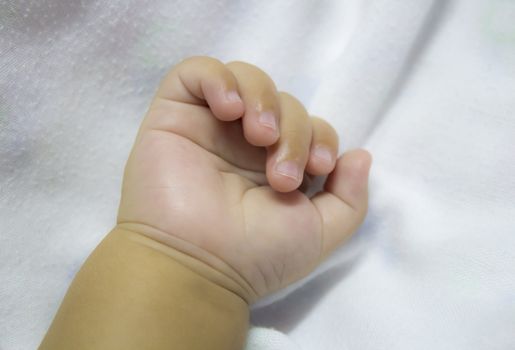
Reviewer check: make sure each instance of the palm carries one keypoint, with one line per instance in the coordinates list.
(269, 238)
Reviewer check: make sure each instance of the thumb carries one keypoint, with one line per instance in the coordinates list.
(343, 204)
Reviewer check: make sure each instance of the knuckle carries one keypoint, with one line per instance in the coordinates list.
(244, 66)
(293, 108)
(292, 101)
(201, 60)
(288, 97)
(323, 127)
(204, 64)
(237, 64)
(250, 71)
(266, 99)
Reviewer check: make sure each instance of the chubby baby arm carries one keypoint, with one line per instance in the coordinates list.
(132, 294)
(211, 218)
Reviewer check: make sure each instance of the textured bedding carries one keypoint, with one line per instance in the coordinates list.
(427, 86)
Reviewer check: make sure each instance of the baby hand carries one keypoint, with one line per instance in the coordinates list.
(215, 171)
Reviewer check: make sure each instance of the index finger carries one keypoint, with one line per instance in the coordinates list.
(203, 80)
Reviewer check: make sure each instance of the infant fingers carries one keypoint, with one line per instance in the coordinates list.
(324, 148)
(200, 80)
(261, 119)
(343, 205)
(288, 157)
(278, 121)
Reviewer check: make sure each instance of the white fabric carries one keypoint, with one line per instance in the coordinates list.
(427, 86)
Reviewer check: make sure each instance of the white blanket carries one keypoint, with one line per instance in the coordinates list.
(427, 86)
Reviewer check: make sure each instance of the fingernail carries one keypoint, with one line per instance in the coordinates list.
(323, 153)
(289, 169)
(233, 96)
(267, 119)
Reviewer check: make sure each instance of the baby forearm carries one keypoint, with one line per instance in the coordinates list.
(129, 295)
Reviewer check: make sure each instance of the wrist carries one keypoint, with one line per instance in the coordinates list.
(131, 293)
(197, 259)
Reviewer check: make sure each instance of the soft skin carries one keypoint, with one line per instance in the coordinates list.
(211, 187)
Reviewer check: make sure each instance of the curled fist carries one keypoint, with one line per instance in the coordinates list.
(215, 174)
